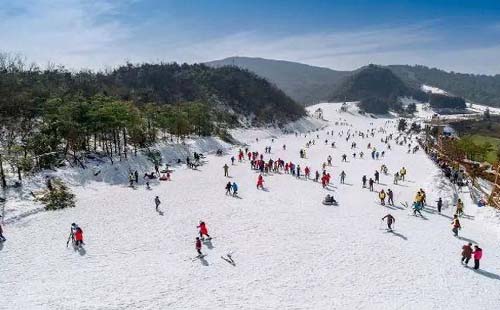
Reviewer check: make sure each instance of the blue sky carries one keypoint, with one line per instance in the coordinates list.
(457, 35)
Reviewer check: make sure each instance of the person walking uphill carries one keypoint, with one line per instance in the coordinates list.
(466, 253)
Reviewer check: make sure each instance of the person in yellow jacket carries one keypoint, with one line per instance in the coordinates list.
(419, 199)
(382, 195)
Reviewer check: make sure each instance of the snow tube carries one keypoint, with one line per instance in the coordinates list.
(330, 203)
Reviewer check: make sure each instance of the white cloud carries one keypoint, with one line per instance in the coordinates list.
(92, 34)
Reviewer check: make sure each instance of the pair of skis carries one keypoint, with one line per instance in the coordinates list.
(229, 258)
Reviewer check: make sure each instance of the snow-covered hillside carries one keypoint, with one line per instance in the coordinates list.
(290, 250)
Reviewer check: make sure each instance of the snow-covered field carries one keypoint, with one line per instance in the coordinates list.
(291, 251)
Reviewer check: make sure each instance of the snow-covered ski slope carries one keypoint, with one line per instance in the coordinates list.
(290, 251)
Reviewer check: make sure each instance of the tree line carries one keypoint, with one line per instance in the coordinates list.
(50, 115)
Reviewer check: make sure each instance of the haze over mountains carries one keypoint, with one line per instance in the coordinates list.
(309, 84)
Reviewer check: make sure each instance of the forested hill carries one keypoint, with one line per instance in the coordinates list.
(227, 88)
(49, 114)
(305, 84)
(483, 89)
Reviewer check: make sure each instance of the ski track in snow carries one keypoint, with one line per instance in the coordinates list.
(291, 251)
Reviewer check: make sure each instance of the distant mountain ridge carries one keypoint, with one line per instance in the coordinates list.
(304, 83)
(308, 84)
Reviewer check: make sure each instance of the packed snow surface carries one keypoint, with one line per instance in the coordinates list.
(290, 250)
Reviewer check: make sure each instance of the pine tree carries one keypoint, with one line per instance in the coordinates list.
(59, 197)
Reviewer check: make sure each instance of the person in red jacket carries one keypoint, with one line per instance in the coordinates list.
(466, 253)
(203, 230)
(478, 254)
(78, 236)
(307, 172)
(260, 181)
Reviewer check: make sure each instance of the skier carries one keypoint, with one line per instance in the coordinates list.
(316, 177)
(390, 197)
(232, 160)
(455, 225)
(72, 234)
(402, 173)
(416, 209)
(381, 195)
(396, 178)
(260, 181)
(228, 188)
(235, 189)
(364, 181)
(478, 254)
(78, 237)
(342, 177)
(226, 170)
(344, 157)
(370, 183)
(157, 202)
(390, 221)
(2, 238)
(377, 176)
(198, 246)
(439, 204)
(460, 207)
(466, 253)
(203, 230)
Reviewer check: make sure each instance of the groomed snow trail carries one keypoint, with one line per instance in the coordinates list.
(291, 251)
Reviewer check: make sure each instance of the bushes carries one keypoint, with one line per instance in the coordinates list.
(59, 197)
